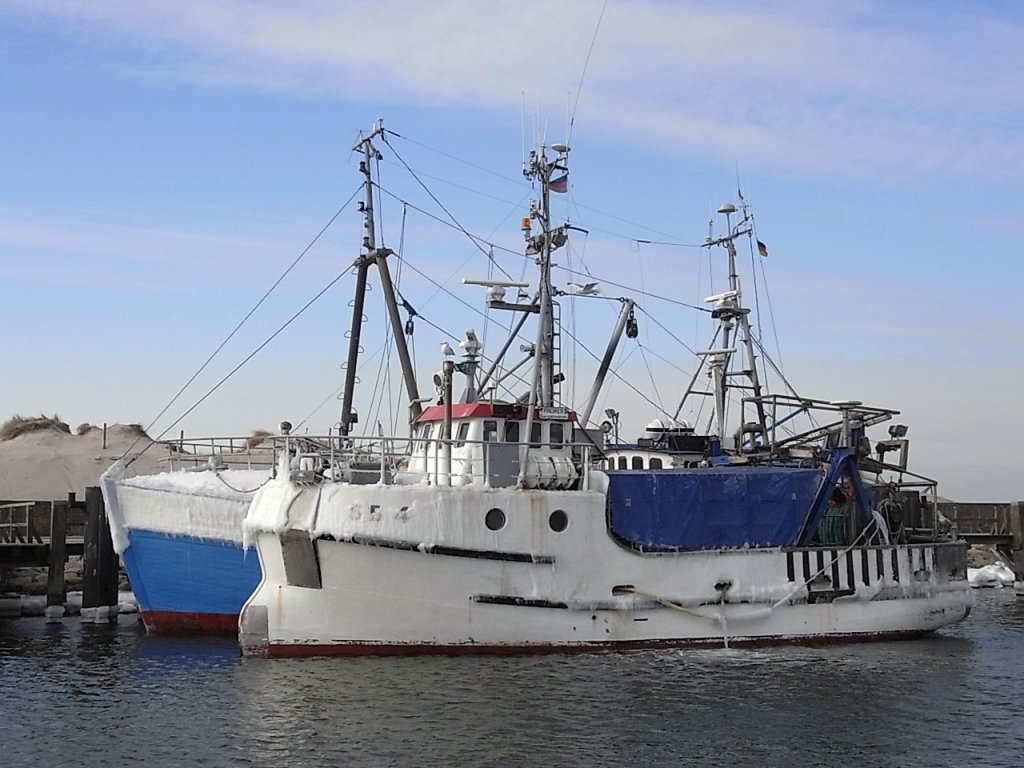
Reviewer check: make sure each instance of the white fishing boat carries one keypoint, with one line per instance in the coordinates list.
(503, 528)
(179, 532)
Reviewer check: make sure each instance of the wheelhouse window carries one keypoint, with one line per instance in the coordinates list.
(490, 431)
(557, 433)
(511, 431)
(425, 433)
(638, 462)
(535, 437)
(656, 463)
(622, 463)
(460, 437)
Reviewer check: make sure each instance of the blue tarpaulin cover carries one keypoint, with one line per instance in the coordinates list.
(710, 508)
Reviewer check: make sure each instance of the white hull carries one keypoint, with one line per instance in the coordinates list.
(203, 505)
(414, 569)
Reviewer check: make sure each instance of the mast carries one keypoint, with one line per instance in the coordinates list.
(361, 264)
(545, 376)
(734, 328)
(374, 255)
(550, 174)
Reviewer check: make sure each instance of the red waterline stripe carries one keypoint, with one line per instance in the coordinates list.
(187, 623)
(410, 649)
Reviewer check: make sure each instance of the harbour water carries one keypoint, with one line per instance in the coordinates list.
(84, 695)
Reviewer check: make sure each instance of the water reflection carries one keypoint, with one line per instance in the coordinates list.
(113, 691)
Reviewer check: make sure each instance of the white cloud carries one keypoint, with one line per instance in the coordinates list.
(860, 88)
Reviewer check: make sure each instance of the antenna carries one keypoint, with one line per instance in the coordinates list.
(583, 74)
(522, 125)
(568, 118)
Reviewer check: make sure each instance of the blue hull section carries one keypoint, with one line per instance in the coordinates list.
(182, 575)
(712, 508)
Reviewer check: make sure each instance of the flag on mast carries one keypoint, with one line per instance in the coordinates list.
(762, 249)
(560, 184)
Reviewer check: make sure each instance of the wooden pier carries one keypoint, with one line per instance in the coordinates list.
(37, 534)
(997, 526)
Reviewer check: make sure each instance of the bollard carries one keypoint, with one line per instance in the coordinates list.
(1017, 547)
(56, 590)
(100, 569)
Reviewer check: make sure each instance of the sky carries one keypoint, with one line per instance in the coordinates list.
(163, 164)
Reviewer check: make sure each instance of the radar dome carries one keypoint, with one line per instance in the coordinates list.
(665, 425)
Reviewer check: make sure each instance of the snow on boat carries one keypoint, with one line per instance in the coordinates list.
(503, 527)
(179, 534)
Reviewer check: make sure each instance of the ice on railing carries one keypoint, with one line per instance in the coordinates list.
(208, 504)
(225, 483)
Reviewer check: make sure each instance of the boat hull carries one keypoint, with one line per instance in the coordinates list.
(179, 535)
(382, 577)
(189, 585)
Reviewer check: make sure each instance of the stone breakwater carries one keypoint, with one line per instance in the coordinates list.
(32, 581)
(23, 590)
(13, 605)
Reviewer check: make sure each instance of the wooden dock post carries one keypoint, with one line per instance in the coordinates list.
(56, 588)
(1017, 532)
(100, 567)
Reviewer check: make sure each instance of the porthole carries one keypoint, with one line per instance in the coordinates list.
(558, 521)
(494, 519)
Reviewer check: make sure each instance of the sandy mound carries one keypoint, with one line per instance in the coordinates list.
(41, 460)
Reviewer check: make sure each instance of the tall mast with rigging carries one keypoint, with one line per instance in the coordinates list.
(552, 175)
(374, 255)
(734, 327)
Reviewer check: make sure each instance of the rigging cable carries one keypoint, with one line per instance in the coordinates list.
(483, 358)
(647, 331)
(675, 338)
(526, 259)
(650, 375)
(632, 290)
(616, 374)
(583, 74)
(515, 180)
(242, 322)
(677, 243)
(751, 238)
(335, 392)
(407, 330)
(253, 354)
(442, 289)
(771, 315)
(382, 381)
(433, 197)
